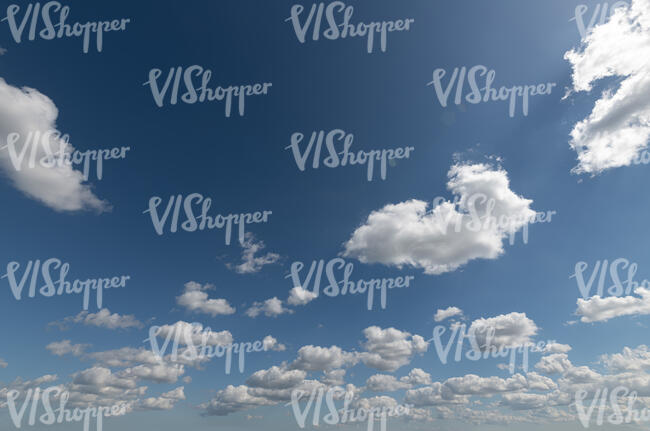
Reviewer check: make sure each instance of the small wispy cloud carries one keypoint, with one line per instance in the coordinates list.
(250, 263)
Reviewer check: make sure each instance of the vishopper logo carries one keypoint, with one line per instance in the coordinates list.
(344, 157)
(60, 29)
(486, 93)
(479, 208)
(203, 221)
(51, 150)
(346, 415)
(37, 396)
(204, 94)
(210, 344)
(600, 8)
(338, 16)
(620, 287)
(619, 396)
(57, 284)
(482, 345)
(332, 271)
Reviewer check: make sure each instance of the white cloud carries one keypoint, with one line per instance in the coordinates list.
(300, 296)
(637, 359)
(232, 399)
(447, 313)
(505, 330)
(271, 308)
(194, 298)
(385, 383)
(250, 263)
(333, 377)
(433, 395)
(389, 349)
(165, 402)
(160, 373)
(270, 343)
(597, 309)
(64, 347)
(276, 378)
(195, 334)
(103, 319)
(556, 363)
(618, 128)
(3, 363)
(472, 384)
(556, 348)
(417, 376)
(96, 379)
(449, 235)
(315, 358)
(25, 111)
(124, 357)
(524, 401)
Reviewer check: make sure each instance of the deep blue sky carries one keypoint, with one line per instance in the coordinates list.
(242, 164)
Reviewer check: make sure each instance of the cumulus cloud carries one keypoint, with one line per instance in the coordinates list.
(271, 308)
(447, 313)
(618, 128)
(65, 347)
(124, 357)
(232, 399)
(433, 395)
(194, 334)
(160, 373)
(505, 330)
(597, 309)
(251, 263)
(416, 377)
(554, 347)
(447, 236)
(315, 358)
(385, 383)
(164, 402)
(333, 377)
(24, 111)
(194, 298)
(300, 296)
(270, 343)
(276, 378)
(390, 349)
(3, 363)
(103, 319)
(637, 359)
(556, 363)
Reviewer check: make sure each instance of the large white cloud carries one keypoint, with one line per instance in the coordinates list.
(61, 188)
(618, 128)
(442, 238)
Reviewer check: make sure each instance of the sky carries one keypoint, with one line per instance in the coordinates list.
(574, 153)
